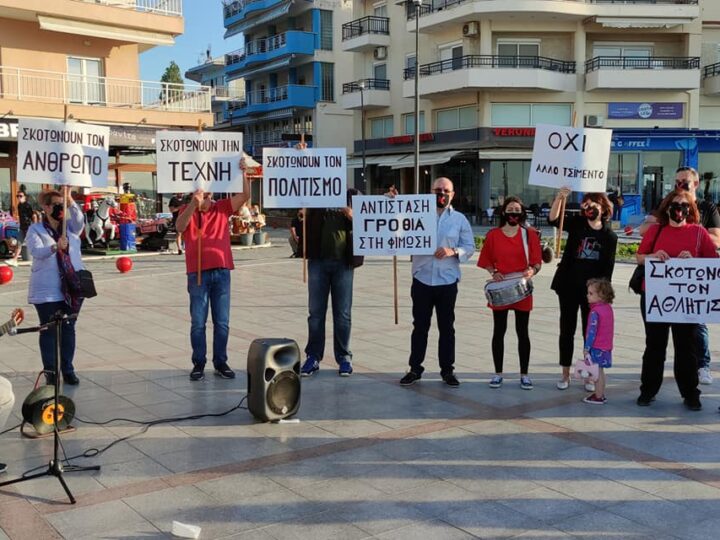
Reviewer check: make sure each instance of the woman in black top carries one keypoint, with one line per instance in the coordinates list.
(589, 253)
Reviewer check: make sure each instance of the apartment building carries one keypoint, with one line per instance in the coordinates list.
(490, 70)
(80, 58)
(293, 66)
(211, 73)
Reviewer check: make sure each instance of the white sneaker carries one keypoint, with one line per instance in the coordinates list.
(563, 384)
(704, 376)
(589, 386)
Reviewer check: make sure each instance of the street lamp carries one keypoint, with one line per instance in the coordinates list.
(361, 85)
(418, 4)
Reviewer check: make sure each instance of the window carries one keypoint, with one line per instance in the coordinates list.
(632, 51)
(327, 81)
(85, 81)
(381, 128)
(531, 114)
(510, 51)
(409, 123)
(451, 52)
(380, 10)
(380, 71)
(410, 60)
(456, 118)
(326, 30)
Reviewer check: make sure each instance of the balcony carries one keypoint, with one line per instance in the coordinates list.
(366, 94)
(45, 93)
(480, 72)
(365, 34)
(711, 79)
(280, 97)
(647, 73)
(172, 8)
(243, 15)
(271, 48)
(226, 93)
(438, 14)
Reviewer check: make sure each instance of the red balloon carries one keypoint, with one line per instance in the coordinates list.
(628, 230)
(6, 274)
(124, 264)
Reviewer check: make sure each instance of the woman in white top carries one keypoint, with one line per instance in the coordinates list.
(54, 285)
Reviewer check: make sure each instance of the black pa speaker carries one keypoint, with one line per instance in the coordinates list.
(273, 374)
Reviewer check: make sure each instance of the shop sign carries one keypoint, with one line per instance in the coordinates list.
(8, 130)
(572, 157)
(514, 132)
(645, 111)
(401, 225)
(407, 139)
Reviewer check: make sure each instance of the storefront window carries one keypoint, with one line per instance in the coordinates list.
(658, 176)
(709, 169)
(511, 178)
(4, 188)
(465, 176)
(623, 173)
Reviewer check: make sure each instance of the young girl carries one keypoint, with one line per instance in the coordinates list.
(599, 334)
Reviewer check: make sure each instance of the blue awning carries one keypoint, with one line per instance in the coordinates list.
(285, 62)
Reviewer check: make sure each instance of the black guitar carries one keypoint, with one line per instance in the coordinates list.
(17, 317)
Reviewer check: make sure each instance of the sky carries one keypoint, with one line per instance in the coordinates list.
(203, 26)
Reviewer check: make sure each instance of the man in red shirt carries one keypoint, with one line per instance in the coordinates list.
(207, 220)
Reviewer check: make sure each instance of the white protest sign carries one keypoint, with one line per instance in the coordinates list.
(190, 160)
(572, 157)
(682, 290)
(310, 178)
(64, 153)
(403, 225)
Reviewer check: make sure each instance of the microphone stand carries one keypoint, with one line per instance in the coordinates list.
(55, 466)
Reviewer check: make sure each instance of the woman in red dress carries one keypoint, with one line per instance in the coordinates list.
(503, 254)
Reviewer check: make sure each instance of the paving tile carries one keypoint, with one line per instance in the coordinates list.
(102, 518)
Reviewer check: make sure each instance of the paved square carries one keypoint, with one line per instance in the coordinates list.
(368, 457)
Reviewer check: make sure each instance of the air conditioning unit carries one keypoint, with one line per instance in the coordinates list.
(380, 53)
(471, 29)
(593, 120)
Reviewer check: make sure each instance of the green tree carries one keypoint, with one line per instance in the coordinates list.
(171, 76)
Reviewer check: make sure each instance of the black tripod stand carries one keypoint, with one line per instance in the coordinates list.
(55, 467)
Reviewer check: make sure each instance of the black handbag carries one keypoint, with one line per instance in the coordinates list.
(87, 285)
(638, 275)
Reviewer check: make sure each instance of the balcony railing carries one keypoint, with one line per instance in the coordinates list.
(713, 70)
(52, 87)
(440, 5)
(256, 47)
(172, 8)
(366, 25)
(228, 93)
(494, 61)
(233, 7)
(367, 84)
(642, 62)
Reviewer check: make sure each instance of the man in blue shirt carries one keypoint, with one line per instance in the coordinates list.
(435, 279)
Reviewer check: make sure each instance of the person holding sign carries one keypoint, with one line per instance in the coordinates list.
(209, 219)
(512, 250)
(589, 254)
(677, 234)
(331, 266)
(56, 259)
(434, 286)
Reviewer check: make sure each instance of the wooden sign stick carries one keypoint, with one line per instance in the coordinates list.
(302, 145)
(200, 232)
(395, 289)
(65, 188)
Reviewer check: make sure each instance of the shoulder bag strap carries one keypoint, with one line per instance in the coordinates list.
(524, 233)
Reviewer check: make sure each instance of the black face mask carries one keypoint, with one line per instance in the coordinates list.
(678, 212)
(513, 218)
(57, 212)
(442, 200)
(591, 213)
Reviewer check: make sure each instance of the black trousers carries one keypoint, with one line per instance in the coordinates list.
(684, 362)
(570, 301)
(442, 299)
(522, 322)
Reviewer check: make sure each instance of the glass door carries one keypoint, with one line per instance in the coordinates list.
(86, 84)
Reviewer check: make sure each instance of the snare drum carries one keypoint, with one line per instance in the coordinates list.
(508, 291)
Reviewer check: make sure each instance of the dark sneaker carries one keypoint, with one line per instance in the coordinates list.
(644, 401)
(693, 404)
(3, 468)
(197, 373)
(593, 399)
(309, 367)
(345, 368)
(71, 379)
(410, 378)
(224, 372)
(526, 382)
(496, 381)
(451, 380)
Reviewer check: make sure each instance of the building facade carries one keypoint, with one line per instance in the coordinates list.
(490, 70)
(293, 65)
(79, 59)
(211, 73)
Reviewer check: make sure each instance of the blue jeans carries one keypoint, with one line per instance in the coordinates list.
(335, 278)
(703, 344)
(47, 338)
(213, 293)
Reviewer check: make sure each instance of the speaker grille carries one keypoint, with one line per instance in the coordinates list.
(283, 392)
